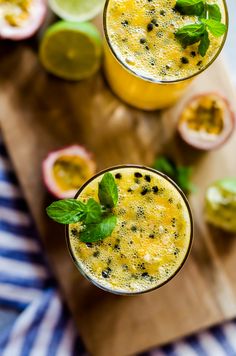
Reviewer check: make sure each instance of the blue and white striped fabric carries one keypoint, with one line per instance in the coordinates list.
(44, 326)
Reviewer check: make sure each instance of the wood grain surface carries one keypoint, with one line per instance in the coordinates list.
(38, 113)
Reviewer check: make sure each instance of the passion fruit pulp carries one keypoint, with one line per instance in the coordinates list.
(20, 19)
(66, 170)
(207, 121)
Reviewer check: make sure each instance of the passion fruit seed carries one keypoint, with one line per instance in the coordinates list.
(184, 60)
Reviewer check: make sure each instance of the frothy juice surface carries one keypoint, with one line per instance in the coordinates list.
(151, 238)
(142, 35)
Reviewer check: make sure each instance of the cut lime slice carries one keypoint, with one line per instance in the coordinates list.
(71, 50)
(220, 204)
(76, 10)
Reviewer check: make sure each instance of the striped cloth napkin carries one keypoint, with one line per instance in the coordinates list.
(44, 326)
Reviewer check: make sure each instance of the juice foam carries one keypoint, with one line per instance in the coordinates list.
(150, 241)
(141, 34)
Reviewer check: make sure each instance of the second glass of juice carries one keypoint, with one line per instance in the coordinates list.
(145, 64)
(152, 237)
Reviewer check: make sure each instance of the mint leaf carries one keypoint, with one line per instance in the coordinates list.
(190, 7)
(216, 28)
(67, 211)
(204, 44)
(183, 179)
(181, 175)
(98, 231)
(165, 166)
(190, 34)
(93, 212)
(214, 12)
(108, 191)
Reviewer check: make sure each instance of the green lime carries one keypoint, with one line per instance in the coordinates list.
(76, 10)
(220, 204)
(71, 50)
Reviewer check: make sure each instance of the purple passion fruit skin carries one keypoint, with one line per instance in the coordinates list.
(207, 121)
(66, 170)
(21, 19)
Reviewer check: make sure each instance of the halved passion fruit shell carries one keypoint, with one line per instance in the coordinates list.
(206, 122)
(20, 19)
(66, 170)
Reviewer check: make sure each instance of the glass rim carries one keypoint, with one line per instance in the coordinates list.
(75, 260)
(157, 81)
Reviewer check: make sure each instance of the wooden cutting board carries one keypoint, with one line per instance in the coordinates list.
(38, 113)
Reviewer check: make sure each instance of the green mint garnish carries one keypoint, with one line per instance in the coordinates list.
(93, 212)
(190, 34)
(204, 44)
(97, 219)
(98, 231)
(215, 27)
(209, 20)
(165, 165)
(214, 12)
(107, 191)
(190, 7)
(67, 211)
(181, 175)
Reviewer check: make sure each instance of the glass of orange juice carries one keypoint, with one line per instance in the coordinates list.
(145, 64)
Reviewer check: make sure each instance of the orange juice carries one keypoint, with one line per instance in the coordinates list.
(145, 64)
(152, 237)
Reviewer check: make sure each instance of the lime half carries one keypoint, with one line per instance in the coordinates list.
(76, 10)
(71, 50)
(220, 204)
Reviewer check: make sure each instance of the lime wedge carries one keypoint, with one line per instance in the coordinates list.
(220, 204)
(76, 10)
(71, 50)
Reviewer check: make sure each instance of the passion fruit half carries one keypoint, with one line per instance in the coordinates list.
(66, 170)
(207, 121)
(20, 19)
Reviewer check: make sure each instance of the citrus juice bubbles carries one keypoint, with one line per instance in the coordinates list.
(151, 239)
(145, 64)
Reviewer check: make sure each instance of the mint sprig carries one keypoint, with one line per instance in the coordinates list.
(97, 219)
(181, 175)
(209, 20)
